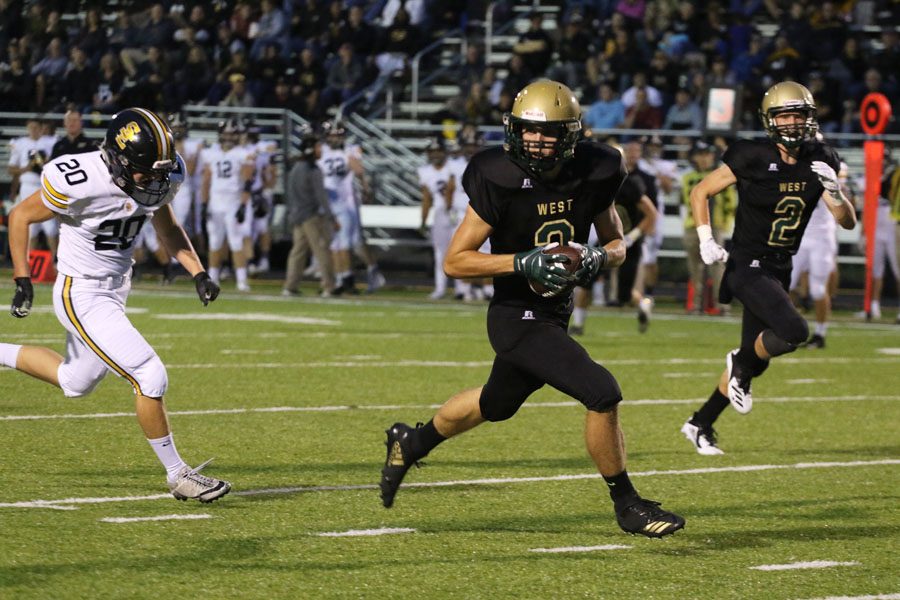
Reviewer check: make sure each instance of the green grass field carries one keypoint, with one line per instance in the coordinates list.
(292, 398)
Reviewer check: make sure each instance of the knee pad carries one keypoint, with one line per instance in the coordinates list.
(76, 380)
(496, 408)
(777, 346)
(152, 378)
(817, 290)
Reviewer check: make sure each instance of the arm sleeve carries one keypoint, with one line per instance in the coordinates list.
(738, 159)
(480, 198)
(54, 191)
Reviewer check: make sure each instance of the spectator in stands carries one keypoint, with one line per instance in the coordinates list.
(624, 60)
(504, 105)
(477, 108)
(796, 26)
(270, 28)
(472, 68)
(784, 62)
(415, 9)
(281, 97)
(663, 75)
(535, 46)
(265, 70)
(110, 81)
(887, 60)
(607, 112)
(685, 113)
(629, 97)
(80, 80)
(687, 23)
(204, 29)
(158, 31)
(310, 76)
(359, 33)
(642, 114)
(16, 86)
(719, 75)
(828, 33)
(74, 142)
(517, 73)
(122, 34)
(149, 78)
(52, 28)
(873, 82)
(829, 108)
(398, 42)
(91, 37)
(239, 96)
(11, 23)
(344, 76)
(747, 66)
(574, 48)
(49, 73)
(633, 11)
(307, 23)
(193, 80)
(335, 22)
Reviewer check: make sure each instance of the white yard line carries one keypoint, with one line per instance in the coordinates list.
(580, 548)
(353, 407)
(462, 482)
(812, 564)
(367, 532)
(249, 317)
(867, 597)
(157, 518)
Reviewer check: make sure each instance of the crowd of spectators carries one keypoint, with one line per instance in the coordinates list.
(637, 63)
(304, 55)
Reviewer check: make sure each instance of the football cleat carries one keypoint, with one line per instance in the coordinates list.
(647, 518)
(398, 461)
(703, 438)
(189, 483)
(816, 341)
(645, 307)
(738, 385)
(374, 280)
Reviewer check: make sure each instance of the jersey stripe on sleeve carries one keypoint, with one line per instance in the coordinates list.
(52, 196)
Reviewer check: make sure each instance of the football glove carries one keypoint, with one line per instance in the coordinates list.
(545, 269)
(593, 259)
(260, 207)
(207, 289)
(827, 177)
(710, 250)
(241, 213)
(22, 299)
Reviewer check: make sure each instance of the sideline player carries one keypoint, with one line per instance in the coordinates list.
(27, 157)
(543, 187)
(780, 180)
(227, 177)
(434, 180)
(103, 199)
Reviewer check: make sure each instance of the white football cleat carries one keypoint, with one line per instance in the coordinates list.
(738, 386)
(190, 484)
(704, 440)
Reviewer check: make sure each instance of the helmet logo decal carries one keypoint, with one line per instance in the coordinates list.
(534, 114)
(128, 133)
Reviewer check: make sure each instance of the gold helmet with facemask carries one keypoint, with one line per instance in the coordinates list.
(789, 97)
(547, 107)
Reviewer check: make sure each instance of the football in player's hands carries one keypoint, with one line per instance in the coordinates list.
(574, 256)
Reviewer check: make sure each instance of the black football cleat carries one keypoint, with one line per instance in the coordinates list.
(647, 518)
(398, 461)
(816, 341)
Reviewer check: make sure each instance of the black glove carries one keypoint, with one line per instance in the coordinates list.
(204, 213)
(544, 269)
(207, 289)
(260, 206)
(592, 260)
(22, 299)
(241, 213)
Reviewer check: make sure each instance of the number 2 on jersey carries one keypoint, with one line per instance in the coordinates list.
(559, 231)
(119, 233)
(784, 228)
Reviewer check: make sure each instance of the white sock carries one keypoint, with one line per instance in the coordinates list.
(821, 328)
(167, 455)
(9, 353)
(578, 316)
(875, 306)
(240, 275)
(214, 274)
(599, 293)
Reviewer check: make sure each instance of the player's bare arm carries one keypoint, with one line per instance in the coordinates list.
(463, 258)
(31, 210)
(609, 230)
(426, 207)
(205, 185)
(709, 186)
(174, 239)
(650, 216)
(449, 191)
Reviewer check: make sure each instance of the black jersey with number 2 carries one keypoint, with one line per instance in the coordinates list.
(776, 199)
(525, 212)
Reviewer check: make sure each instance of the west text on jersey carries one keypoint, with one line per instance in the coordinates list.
(554, 208)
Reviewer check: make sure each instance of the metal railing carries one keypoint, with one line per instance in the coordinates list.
(417, 60)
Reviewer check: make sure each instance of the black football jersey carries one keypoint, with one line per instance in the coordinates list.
(526, 212)
(776, 199)
(628, 201)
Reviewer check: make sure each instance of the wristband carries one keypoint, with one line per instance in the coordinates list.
(704, 232)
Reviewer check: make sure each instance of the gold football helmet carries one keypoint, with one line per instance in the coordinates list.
(789, 97)
(547, 107)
